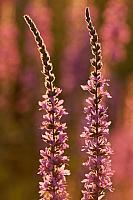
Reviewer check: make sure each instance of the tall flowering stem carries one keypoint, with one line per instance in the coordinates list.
(53, 161)
(96, 144)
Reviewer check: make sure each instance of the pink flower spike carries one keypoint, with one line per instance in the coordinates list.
(53, 162)
(96, 145)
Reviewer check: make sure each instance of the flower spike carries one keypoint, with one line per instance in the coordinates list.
(96, 145)
(53, 162)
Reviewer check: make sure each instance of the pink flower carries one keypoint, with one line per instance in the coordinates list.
(96, 144)
(53, 162)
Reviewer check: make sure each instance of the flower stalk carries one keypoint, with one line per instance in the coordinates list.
(96, 145)
(53, 162)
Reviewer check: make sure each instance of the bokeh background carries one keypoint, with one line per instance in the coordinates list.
(61, 23)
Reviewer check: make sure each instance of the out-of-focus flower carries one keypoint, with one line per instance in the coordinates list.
(122, 142)
(122, 162)
(115, 32)
(9, 56)
(28, 88)
(53, 162)
(96, 144)
(128, 108)
(123, 137)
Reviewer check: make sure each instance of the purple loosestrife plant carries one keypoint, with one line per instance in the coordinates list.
(96, 144)
(53, 162)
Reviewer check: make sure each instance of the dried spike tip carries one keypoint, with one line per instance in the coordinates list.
(95, 45)
(45, 58)
(53, 161)
(87, 14)
(96, 144)
(88, 20)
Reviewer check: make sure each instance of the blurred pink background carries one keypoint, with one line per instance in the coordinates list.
(62, 25)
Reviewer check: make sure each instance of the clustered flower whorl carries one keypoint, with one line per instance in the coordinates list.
(97, 146)
(53, 162)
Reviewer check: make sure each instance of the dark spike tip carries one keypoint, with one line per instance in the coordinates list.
(31, 24)
(87, 14)
(27, 18)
